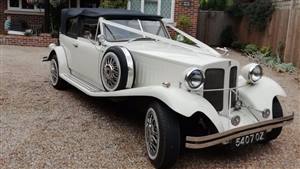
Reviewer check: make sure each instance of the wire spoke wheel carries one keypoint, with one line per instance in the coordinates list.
(53, 72)
(152, 136)
(111, 71)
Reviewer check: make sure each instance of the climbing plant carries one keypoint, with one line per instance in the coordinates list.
(259, 13)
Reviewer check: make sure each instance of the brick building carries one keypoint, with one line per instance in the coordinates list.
(33, 16)
(171, 10)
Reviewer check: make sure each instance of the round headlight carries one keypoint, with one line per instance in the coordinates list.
(255, 73)
(194, 78)
(252, 72)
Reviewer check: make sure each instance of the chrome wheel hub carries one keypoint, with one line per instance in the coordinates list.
(111, 71)
(53, 72)
(152, 134)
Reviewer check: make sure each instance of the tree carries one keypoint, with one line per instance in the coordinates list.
(113, 4)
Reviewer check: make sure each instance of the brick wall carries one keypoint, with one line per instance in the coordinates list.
(31, 18)
(38, 41)
(191, 10)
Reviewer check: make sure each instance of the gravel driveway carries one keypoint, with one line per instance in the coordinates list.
(44, 128)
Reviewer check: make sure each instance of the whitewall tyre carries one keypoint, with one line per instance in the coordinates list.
(56, 81)
(162, 135)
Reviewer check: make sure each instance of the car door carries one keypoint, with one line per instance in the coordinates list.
(69, 40)
(87, 54)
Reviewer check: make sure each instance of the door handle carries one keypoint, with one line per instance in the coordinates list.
(75, 45)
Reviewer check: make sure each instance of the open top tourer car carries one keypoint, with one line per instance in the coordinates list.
(195, 96)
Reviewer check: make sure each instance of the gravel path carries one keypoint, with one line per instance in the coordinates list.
(44, 128)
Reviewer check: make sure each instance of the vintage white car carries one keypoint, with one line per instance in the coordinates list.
(195, 96)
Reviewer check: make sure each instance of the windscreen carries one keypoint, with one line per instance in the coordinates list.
(117, 34)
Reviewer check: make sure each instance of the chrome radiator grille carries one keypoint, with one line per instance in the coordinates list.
(232, 84)
(214, 79)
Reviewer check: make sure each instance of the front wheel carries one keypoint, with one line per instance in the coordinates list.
(162, 135)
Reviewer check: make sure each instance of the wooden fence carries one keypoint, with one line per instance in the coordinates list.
(211, 24)
(283, 30)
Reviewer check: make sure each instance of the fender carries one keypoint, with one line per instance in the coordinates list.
(187, 103)
(260, 95)
(61, 58)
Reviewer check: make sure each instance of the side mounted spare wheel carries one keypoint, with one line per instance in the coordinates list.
(117, 69)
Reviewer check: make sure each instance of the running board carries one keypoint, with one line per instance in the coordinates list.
(79, 84)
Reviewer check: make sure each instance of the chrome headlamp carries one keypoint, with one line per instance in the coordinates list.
(194, 78)
(252, 72)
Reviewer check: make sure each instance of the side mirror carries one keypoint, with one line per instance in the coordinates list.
(101, 39)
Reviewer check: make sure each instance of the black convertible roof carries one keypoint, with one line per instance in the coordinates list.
(103, 12)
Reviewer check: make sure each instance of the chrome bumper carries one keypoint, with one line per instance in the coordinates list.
(223, 138)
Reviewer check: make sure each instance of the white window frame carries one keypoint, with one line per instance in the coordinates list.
(36, 9)
(168, 20)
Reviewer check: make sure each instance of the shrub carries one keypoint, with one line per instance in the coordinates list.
(227, 36)
(267, 57)
(238, 45)
(184, 22)
(259, 13)
(213, 4)
(203, 4)
(236, 9)
(250, 49)
(220, 5)
(113, 4)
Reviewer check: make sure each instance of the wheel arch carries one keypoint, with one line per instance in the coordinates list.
(60, 54)
(252, 94)
(184, 103)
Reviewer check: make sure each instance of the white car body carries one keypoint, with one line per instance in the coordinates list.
(159, 72)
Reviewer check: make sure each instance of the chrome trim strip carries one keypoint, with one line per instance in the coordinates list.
(218, 138)
(130, 65)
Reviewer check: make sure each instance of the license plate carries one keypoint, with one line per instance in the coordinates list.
(249, 139)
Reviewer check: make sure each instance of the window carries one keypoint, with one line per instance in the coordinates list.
(88, 28)
(14, 3)
(72, 27)
(164, 8)
(26, 5)
(117, 34)
(154, 27)
(23, 5)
